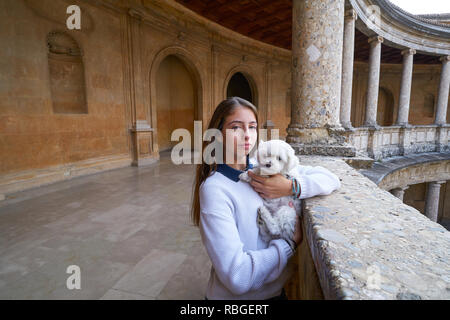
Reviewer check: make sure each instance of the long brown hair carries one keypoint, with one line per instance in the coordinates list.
(204, 170)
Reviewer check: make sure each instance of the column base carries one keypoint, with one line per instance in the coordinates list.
(324, 150)
(372, 126)
(143, 149)
(326, 141)
(348, 127)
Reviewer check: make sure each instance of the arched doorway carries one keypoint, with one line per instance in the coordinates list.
(176, 100)
(239, 86)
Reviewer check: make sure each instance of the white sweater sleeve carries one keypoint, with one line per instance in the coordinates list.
(240, 271)
(316, 181)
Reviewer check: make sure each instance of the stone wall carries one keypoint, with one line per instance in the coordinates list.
(40, 127)
(46, 137)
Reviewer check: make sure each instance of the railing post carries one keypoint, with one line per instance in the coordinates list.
(405, 140)
(442, 140)
(374, 143)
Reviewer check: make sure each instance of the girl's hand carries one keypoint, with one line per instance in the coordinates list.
(275, 186)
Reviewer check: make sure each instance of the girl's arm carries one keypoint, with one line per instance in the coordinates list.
(315, 181)
(240, 271)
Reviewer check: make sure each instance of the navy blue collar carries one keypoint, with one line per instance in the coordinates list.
(232, 173)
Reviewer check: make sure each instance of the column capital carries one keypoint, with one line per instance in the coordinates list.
(350, 14)
(444, 59)
(439, 182)
(408, 51)
(376, 40)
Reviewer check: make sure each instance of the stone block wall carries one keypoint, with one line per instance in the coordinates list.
(45, 120)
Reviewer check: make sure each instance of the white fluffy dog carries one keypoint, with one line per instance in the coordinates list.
(277, 217)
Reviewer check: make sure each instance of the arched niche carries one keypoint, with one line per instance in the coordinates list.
(241, 75)
(66, 73)
(239, 86)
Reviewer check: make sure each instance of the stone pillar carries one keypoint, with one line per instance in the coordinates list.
(374, 81)
(142, 134)
(432, 200)
(347, 68)
(399, 192)
(444, 84)
(405, 89)
(317, 41)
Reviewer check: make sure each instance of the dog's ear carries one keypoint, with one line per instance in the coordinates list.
(292, 160)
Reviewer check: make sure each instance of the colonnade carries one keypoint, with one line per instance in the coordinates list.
(431, 199)
(374, 79)
(323, 40)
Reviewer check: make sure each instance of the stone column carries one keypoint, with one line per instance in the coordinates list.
(432, 200)
(399, 192)
(141, 132)
(444, 84)
(347, 67)
(317, 41)
(374, 81)
(405, 89)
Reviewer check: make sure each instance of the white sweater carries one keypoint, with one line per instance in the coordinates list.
(244, 266)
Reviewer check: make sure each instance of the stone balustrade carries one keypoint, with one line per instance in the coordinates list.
(398, 140)
(362, 242)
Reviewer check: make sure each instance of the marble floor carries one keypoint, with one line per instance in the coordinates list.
(128, 230)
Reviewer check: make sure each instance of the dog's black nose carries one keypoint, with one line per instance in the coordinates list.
(268, 165)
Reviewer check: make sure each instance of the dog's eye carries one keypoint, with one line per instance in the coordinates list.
(279, 158)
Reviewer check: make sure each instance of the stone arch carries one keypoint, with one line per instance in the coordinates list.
(415, 173)
(247, 73)
(66, 74)
(193, 66)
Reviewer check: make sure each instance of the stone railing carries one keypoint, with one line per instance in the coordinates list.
(361, 242)
(384, 142)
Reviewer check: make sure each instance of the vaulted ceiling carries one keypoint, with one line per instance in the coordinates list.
(270, 21)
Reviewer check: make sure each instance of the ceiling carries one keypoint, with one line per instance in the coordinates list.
(270, 21)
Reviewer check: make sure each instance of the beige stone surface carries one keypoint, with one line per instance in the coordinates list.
(130, 236)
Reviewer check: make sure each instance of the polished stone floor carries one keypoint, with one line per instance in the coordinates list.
(128, 230)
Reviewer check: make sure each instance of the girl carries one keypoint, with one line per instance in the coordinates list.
(225, 209)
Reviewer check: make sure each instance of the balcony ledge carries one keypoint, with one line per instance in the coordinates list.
(367, 244)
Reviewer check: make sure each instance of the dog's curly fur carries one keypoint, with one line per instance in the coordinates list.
(276, 218)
